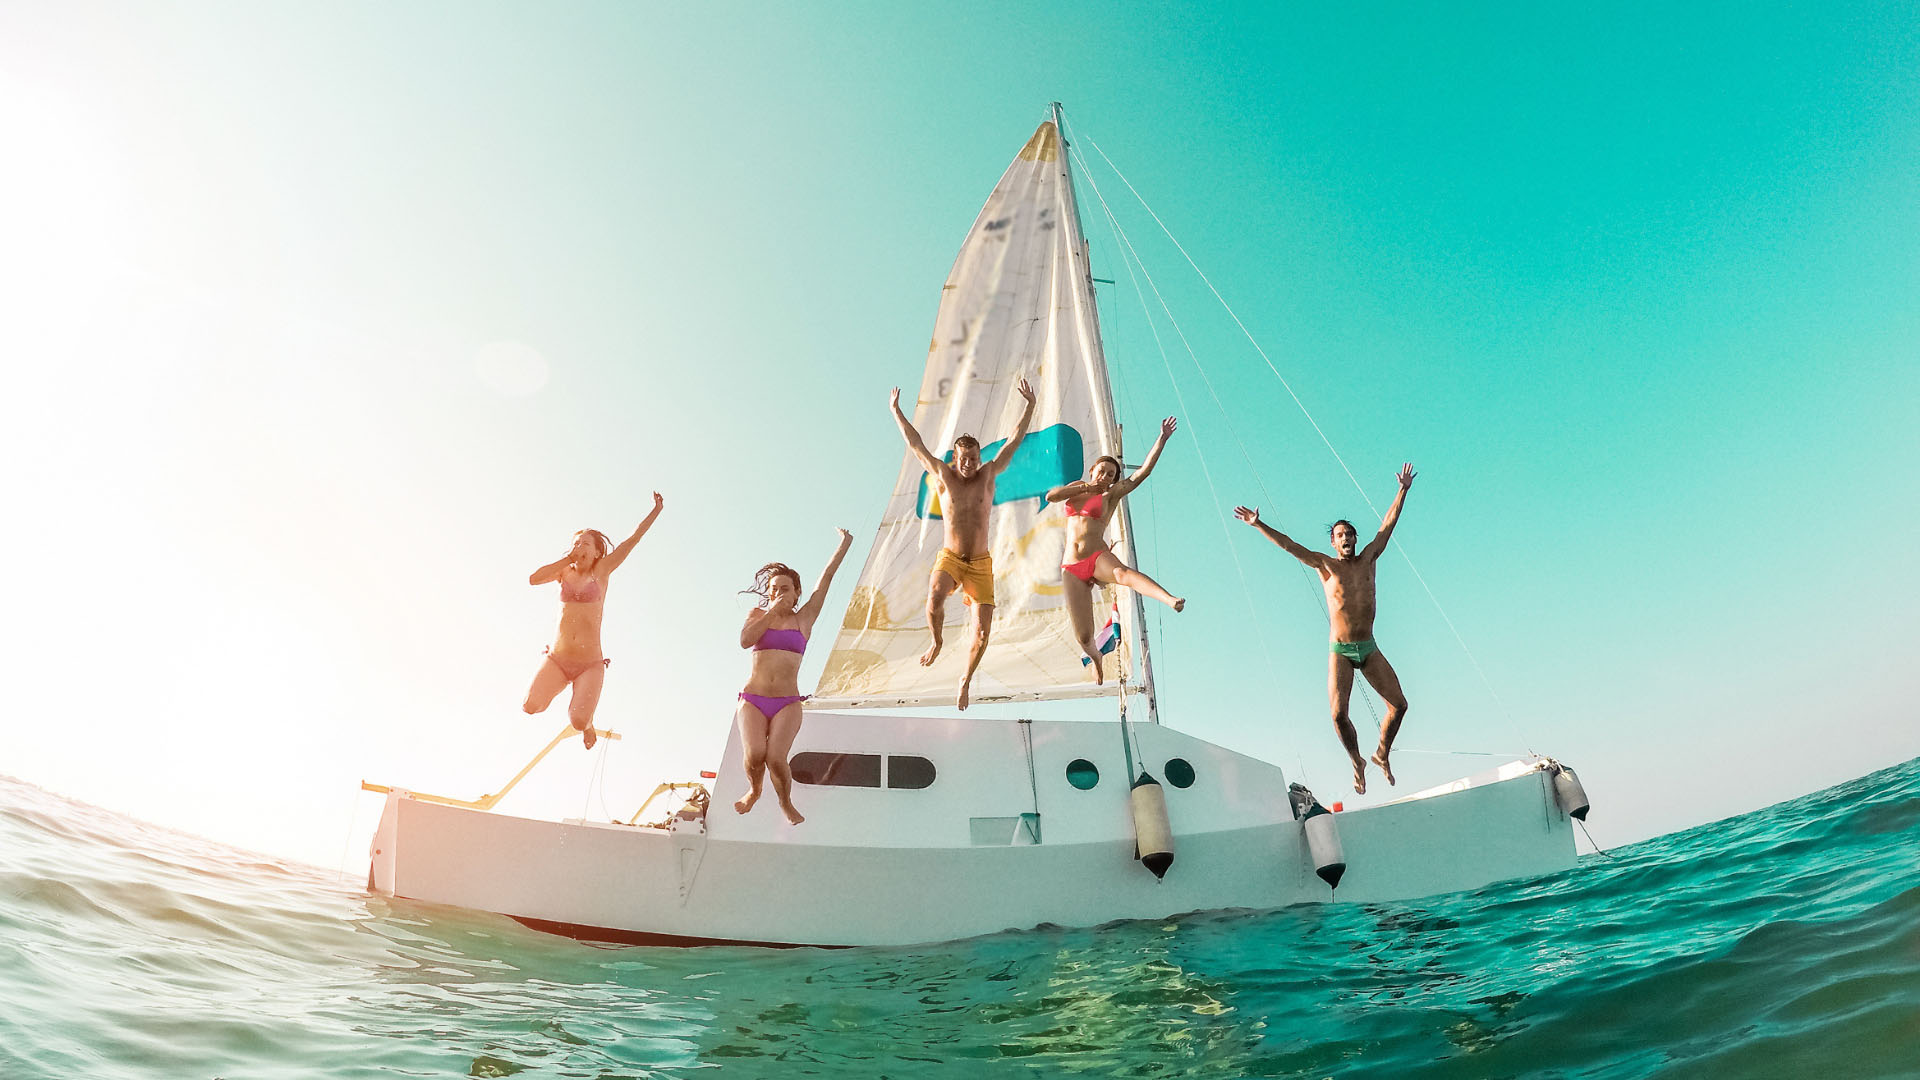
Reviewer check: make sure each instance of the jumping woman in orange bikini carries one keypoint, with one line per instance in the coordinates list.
(574, 659)
(769, 712)
(1090, 505)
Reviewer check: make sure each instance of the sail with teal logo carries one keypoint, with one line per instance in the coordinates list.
(1017, 304)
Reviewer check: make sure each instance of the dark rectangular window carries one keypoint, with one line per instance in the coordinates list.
(837, 770)
(907, 771)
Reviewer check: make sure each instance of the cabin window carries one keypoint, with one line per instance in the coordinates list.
(909, 772)
(836, 770)
(1179, 772)
(1082, 774)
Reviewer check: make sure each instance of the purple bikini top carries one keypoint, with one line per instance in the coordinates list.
(792, 641)
(585, 594)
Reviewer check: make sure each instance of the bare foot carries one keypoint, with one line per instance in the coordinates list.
(1179, 603)
(745, 804)
(1093, 661)
(587, 737)
(793, 816)
(1359, 778)
(926, 658)
(964, 689)
(1380, 759)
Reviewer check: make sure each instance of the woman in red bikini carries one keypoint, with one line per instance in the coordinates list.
(769, 712)
(574, 659)
(1090, 505)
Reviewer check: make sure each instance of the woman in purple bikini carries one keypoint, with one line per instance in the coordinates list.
(574, 659)
(769, 712)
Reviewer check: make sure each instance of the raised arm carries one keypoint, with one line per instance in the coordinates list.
(750, 630)
(811, 610)
(1140, 474)
(550, 572)
(619, 554)
(1073, 490)
(1378, 545)
(1306, 555)
(914, 443)
(1005, 457)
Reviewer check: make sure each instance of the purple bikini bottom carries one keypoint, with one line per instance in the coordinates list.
(770, 706)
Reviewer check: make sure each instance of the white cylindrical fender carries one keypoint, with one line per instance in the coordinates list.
(1152, 833)
(1323, 843)
(1568, 795)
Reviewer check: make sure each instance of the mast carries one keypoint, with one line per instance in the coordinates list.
(1137, 607)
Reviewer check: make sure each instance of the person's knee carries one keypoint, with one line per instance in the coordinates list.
(781, 770)
(756, 761)
(533, 708)
(1398, 705)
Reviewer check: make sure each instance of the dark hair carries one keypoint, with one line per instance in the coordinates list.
(966, 440)
(763, 579)
(1117, 467)
(1337, 524)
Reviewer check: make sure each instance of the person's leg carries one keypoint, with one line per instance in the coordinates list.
(1114, 572)
(1386, 682)
(585, 699)
(1079, 599)
(1339, 689)
(982, 629)
(547, 684)
(753, 752)
(939, 587)
(781, 731)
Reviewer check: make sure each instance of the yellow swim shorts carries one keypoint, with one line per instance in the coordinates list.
(975, 575)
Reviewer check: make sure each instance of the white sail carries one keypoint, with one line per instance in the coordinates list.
(1017, 304)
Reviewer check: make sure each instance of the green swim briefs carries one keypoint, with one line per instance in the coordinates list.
(1356, 651)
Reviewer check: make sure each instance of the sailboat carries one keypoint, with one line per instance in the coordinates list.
(923, 829)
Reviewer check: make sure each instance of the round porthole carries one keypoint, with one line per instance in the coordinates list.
(1082, 774)
(1179, 772)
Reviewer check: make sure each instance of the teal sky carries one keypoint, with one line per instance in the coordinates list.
(1637, 290)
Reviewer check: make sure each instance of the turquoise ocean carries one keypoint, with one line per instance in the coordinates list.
(1781, 943)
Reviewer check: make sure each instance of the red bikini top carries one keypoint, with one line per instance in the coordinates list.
(1091, 508)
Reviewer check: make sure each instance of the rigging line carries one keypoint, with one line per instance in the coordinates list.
(1127, 250)
(1239, 443)
(1474, 660)
(1366, 696)
(1246, 589)
(1236, 318)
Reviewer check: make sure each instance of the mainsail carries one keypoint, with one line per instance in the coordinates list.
(1017, 304)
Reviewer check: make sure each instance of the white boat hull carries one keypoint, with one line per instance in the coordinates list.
(889, 866)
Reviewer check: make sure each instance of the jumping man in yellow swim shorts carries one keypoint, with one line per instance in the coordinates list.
(966, 502)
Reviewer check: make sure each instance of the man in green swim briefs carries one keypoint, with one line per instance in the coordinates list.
(1348, 578)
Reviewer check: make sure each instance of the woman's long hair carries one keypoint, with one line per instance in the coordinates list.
(599, 538)
(763, 580)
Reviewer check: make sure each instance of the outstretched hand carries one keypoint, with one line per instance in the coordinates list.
(1407, 474)
(1250, 515)
(895, 400)
(846, 538)
(1167, 426)
(658, 502)
(1025, 391)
